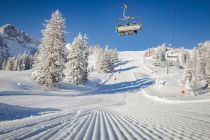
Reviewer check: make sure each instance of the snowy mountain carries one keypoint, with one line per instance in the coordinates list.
(14, 41)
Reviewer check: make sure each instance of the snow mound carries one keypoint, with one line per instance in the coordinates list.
(20, 82)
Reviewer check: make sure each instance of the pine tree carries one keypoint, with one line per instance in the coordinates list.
(161, 51)
(160, 55)
(187, 77)
(203, 48)
(191, 75)
(24, 61)
(49, 61)
(104, 64)
(74, 71)
(84, 48)
(204, 60)
(149, 52)
(4, 54)
(200, 68)
(10, 63)
(112, 54)
(184, 56)
(115, 55)
(16, 63)
(4, 64)
(207, 67)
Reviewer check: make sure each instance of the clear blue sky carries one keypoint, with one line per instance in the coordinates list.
(97, 18)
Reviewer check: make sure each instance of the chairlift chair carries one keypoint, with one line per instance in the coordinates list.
(128, 25)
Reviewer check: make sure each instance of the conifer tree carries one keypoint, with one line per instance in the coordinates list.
(10, 63)
(104, 64)
(84, 50)
(4, 54)
(16, 63)
(4, 64)
(49, 62)
(74, 71)
(207, 67)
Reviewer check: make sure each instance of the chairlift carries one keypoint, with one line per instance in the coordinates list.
(128, 25)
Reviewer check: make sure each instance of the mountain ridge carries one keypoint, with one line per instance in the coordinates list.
(17, 41)
(13, 42)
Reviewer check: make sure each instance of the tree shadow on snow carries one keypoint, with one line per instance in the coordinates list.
(126, 86)
(13, 112)
(126, 69)
(120, 63)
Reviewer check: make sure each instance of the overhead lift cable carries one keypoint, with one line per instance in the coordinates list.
(174, 23)
(148, 41)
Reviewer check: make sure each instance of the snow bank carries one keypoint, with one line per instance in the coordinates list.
(173, 101)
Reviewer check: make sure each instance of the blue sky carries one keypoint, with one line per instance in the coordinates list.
(97, 18)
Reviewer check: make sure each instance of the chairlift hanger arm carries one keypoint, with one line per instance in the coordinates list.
(125, 8)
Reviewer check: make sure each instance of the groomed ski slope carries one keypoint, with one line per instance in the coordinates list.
(116, 109)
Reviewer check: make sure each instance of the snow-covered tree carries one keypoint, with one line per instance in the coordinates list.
(194, 55)
(149, 52)
(194, 85)
(160, 52)
(104, 63)
(16, 64)
(163, 47)
(10, 63)
(4, 54)
(203, 48)
(84, 48)
(200, 68)
(76, 67)
(160, 55)
(98, 53)
(112, 54)
(19, 63)
(49, 62)
(4, 64)
(184, 57)
(187, 76)
(92, 50)
(207, 66)
(73, 71)
(203, 62)
(196, 70)
(25, 61)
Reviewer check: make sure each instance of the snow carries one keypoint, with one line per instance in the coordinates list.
(12, 112)
(126, 104)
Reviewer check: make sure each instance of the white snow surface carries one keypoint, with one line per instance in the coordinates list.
(124, 105)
